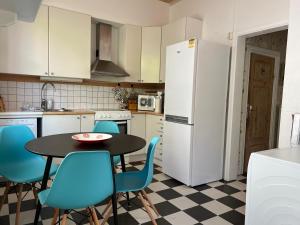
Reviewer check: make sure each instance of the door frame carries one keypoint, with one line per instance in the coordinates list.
(270, 53)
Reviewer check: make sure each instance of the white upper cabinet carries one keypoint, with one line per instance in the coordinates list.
(24, 46)
(69, 44)
(150, 63)
(177, 31)
(130, 44)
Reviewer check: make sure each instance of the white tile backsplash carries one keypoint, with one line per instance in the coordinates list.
(17, 94)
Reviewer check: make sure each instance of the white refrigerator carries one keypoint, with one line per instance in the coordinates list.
(195, 111)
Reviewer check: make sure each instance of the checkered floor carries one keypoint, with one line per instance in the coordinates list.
(217, 203)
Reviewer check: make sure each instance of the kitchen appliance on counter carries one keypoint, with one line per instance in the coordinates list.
(146, 102)
(121, 117)
(195, 111)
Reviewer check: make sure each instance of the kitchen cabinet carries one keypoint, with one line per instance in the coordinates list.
(60, 124)
(177, 31)
(154, 127)
(24, 46)
(87, 123)
(138, 128)
(130, 44)
(69, 44)
(150, 59)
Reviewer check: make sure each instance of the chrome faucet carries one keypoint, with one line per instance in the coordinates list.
(44, 100)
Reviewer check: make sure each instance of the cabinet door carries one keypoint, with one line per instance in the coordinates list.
(87, 123)
(151, 45)
(24, 46)
(171, 33)
(69, 44)
(154, 127)
(193, 28)
(177, 31)
(130, 44)
(138, 128)
(60, 124)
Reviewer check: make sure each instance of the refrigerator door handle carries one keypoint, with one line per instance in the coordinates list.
(177, 119)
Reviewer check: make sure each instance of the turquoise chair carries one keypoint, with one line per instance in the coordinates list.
(108, 127)
(82, 180)
(137, 181)
(17, 164)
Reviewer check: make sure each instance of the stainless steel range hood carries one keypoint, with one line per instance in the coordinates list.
(103, 65)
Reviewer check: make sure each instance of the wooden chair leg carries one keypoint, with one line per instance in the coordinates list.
(95, 217)
(7, 186)
(55, 216)
(64, 219)
(90, 216)
(108, 213)
(34, 192)
(147, 208)
(150, 202)
(107, 207)
(18, 211)
(108, 210)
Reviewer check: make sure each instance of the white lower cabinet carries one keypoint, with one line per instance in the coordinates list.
(154, 127)
(61, 124)
(138, 128)
(87, 123)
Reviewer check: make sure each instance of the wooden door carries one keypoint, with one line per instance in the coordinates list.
(260, 91)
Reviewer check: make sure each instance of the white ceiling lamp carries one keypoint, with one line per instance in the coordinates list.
(7, 18)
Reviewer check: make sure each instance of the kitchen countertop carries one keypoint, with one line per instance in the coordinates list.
(20, 114)
(73, 112)
(146, 112)
(39, 114)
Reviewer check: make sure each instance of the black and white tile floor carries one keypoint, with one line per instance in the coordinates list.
(217, 203)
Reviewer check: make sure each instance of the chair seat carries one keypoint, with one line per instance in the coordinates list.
(27, 171)
(129, 181)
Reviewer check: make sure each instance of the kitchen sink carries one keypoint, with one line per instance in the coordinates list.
(59, 110)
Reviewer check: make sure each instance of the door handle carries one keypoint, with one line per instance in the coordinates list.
(249, 110)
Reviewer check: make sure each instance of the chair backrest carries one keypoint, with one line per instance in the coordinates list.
(106, 127)
(83, 179)
(148, 168)
(12, 145)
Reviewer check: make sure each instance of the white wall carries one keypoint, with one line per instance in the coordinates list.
(251, 18)
(291, 90)
(253, 14)
(136, 12)
(242, 17)
(217, 16)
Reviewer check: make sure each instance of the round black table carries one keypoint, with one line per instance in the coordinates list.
(58, 146)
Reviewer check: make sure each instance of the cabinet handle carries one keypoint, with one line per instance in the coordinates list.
(78, 118)
(52, 73)
(160, 143)
(46, 73)
(161, 135)
(84, 117)
(160, 81)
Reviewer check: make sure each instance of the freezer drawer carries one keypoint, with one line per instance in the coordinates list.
(177, 151)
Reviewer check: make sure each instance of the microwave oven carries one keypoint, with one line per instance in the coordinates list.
(146, 102)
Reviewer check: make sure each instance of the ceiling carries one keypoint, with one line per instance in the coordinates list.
(170, 1)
